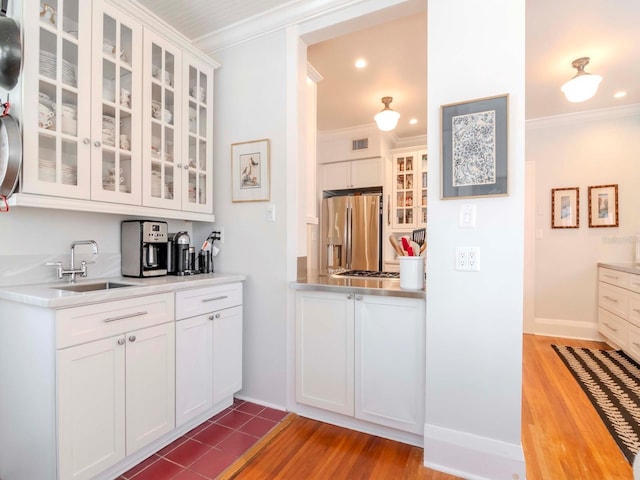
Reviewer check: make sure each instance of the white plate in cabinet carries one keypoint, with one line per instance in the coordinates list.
(614, 277)
(91, 322)
(198, 301)
(613, 327)
(614, 299)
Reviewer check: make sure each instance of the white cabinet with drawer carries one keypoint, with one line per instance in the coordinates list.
(619, 309)
(208, 349)
(116, 376)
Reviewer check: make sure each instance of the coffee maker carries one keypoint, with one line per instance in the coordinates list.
(144, 248)
(181, 254)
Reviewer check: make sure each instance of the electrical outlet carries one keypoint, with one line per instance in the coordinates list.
(468, 259)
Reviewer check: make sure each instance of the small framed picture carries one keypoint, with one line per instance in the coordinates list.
(250, 173)
(565, 207)
(474, 148)
(603, 206)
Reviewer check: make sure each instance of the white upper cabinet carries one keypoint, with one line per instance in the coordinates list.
(113, 113)
(409, 187)
(81, 102)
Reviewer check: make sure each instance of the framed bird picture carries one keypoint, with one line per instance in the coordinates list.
(250, 171)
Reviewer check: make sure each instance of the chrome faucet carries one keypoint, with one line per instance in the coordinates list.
(73, 271)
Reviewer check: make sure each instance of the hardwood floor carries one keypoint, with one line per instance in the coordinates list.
(562, 436)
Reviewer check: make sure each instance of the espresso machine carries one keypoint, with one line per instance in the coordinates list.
(181, 254)
(144, 248)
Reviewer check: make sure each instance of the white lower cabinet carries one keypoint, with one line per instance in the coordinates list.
(362, 356)
(115, 394)
(208, 349)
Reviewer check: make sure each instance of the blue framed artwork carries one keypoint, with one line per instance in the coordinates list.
(474, 148)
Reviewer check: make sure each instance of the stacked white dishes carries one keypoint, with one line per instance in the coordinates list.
(68, 73)
(47, 64)
(69, 119)
(192, 193)
(109, 130)
(156, 185)
(48, 68)
(47, 172)
(109, 181)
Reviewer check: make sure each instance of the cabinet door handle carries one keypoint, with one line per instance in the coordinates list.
(610, 327)
(86, 141)
(97, 143)
(217, 315)
(388, 209)
(121, 341)
(132, 338)
(358, 298)
(222, 297)
(611, 299)
(122, 317)
(210, 317)
(349, 297)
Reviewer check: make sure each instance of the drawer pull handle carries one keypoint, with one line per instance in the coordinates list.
(611, 276)
(636, 344)
(610, 327)
(121, 341)
(122, 317)
(222, 297)
(611, 299)
(132, 338)
(636, 310)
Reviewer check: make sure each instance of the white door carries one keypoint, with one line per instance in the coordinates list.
(324, 350)
(150, 389)
(194, 367)
(227, 353)
(91, 407)
(390, 361)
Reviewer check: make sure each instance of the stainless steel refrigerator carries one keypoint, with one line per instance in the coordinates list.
(351, 234)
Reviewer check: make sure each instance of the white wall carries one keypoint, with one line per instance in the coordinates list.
(593, 148)
(250, 104)
(474, 320)
(30, 237)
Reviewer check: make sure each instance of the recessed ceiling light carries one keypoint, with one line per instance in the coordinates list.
(413, 121)
(361, 63)
(619, 94)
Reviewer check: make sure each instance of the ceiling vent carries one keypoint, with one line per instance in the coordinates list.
(359, 144)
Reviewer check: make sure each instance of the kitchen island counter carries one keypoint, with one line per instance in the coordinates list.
(363, 286)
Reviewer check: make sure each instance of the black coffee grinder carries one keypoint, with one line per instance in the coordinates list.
(180, 262)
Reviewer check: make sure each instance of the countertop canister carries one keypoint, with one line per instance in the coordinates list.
(411, 272)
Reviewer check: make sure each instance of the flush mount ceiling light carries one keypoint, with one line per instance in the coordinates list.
(387, 119)
(584, 85)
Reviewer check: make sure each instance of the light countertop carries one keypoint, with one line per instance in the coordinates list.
(46, 295)
(363, 286)
(622, 267)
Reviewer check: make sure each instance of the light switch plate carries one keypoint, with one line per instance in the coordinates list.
(271, 213)
(468, 215)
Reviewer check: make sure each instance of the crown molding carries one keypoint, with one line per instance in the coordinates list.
(289, 14)
(587, 116)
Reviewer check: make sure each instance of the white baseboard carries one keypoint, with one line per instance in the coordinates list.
(262, 403)
(470, 456)
(555, 327)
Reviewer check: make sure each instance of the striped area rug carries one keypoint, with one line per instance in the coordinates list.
(611, 380)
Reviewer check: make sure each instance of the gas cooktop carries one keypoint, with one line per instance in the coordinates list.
(369, 274)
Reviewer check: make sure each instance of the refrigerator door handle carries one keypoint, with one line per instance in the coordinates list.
(349, 236)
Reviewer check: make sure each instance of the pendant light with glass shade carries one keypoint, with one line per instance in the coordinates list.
(584, 85)
(387, 119)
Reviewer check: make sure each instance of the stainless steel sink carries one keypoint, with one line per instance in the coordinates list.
(91, 287)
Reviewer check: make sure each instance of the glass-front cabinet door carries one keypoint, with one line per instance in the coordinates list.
(162, 162)
(409, 200)
(116, 107)
(55, 106)
(197, 127)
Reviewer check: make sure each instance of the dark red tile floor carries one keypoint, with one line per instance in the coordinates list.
(204, 452)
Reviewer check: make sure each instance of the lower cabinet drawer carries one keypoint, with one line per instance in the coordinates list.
(614, 277)
(101, 320)
(614, 299)
(613, 327)
(634, 308)
(633, 344)
(197, 301)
